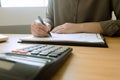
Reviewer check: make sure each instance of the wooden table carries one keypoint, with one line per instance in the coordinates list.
(85, 63)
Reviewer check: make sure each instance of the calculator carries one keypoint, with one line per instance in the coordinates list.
(38, 62)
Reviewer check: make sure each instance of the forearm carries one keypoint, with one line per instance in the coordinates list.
(91, 27)
(109, 28)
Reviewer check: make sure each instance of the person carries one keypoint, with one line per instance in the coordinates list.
(80, 16)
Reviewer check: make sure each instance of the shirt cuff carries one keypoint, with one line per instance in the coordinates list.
(110, 27)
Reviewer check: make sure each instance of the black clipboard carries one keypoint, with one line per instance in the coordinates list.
(91, 40)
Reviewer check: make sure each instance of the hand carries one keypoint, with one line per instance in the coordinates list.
(40, 30)
(66, 28)
(91, 27)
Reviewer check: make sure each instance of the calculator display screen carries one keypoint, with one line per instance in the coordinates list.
(6, 65)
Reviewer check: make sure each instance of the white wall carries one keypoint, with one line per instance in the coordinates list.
(20, 16)
(18, 20)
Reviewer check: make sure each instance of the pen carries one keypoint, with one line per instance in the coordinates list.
(40, 19)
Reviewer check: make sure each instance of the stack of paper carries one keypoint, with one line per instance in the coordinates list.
(79, 38)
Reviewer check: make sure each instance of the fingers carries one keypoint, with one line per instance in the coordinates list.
(39, 26)
(66, 28)
(39, 33)
(60, 29)
(39, 30)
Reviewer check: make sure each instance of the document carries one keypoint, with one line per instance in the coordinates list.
(85, 39)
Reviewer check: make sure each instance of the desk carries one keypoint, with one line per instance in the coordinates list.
(85, 63)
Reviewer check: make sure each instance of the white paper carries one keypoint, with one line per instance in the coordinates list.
(77, 37)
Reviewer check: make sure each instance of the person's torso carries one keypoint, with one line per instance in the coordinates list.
(79, 11)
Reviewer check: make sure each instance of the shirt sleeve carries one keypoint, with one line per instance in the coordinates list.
(49, 13)
(112, 27)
